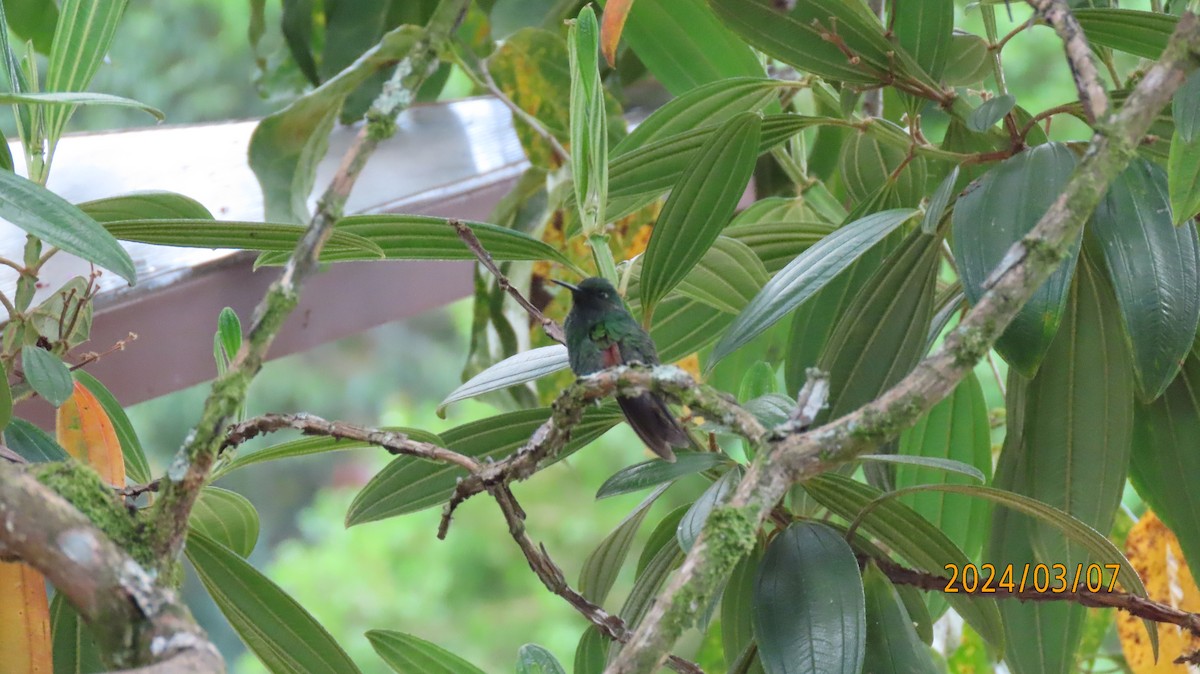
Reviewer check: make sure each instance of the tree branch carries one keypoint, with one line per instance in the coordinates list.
(553, 330)
(134, 619)
(731, 528)
(193, 464)
(1079, 56)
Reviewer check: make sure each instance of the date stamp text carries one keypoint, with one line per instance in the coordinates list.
(1053, 578)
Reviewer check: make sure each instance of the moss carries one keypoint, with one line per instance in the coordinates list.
(973, 345)
(729, 535)
(83, 488)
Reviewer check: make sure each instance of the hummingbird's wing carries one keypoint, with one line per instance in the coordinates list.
(647, 413)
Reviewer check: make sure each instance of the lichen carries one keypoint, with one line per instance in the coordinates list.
(83, 488)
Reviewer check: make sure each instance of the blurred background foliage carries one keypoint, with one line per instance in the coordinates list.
(473, 593)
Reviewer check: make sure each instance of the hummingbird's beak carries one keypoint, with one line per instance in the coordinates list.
(566, 285)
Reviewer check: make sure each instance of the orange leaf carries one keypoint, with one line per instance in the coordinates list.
(1155, 554)
(24, 620)
(611, 25)
(85, 431)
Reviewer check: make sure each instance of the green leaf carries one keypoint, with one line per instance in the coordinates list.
(1005, 204)
(408, 484)
(697, 515)
(6, 402)
(956, 429)
(700, 206)
(33, 21)
(968, 62)
(991, 111)
(641, 175)
(533, 659)
(930, 462)
(81, 41)
(271, 624)
(47, 216)
(664, 557)
(74, 648)
(809, 613)
(737, 606)
(908, 535)
(226, 517)
(1183, 177)
(939, 201)
(867, 163)
(154, 205)
(1139, 33)
(421, 237)
(136, 465)
(47, 374)
(807, 274)
(683, 326)
(655, 472)
(32, 443)
(407, 654)
(589, 133)
(229, 331)
(726, 278)
(1185, 107)
(684, 46)
(1164, 457)
(893, 646)
(296, 23)
(317, 445)
(1154, 268)
(54, 98)
(923, 28)
(706, 105)
(591, 654)
(286, 146)
(663, 535)
(517, 369)
(264, 236)
(777, 229)
(797, 37)
(602, 566)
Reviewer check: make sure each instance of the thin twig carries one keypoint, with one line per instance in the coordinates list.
(553, 330)
(392, 441)
(1079, 56)
(91, 357)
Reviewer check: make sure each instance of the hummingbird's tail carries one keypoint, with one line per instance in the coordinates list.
(654, 424)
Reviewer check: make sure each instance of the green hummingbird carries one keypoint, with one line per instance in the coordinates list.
(602, 333)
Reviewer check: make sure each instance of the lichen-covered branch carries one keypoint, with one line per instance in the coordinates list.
(567, 410)
(136, 621)
(1079, 56)
(730, 530)
(193, 463)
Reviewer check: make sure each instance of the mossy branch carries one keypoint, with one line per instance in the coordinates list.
(731, 529)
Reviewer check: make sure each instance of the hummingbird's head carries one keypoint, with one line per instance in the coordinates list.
(594, 294)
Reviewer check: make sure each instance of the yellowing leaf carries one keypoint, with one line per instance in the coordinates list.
(1154, 551)
(85, 431)
(613, 22)
(24, 620)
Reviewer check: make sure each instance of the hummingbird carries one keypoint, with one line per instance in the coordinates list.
(602, 333)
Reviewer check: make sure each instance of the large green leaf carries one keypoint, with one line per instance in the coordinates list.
(655, 472)
(264, 236)
(34, 21)
(286, 146)
(1140, 33)
(893, 646)
(778, 229)
(32, 443)
(226, 517)
(603, 564)
(1183, 177)
(136, 465)
(317, 445)
(408, 484)
(1005, 204)
(727, 277)
(533, 659)
(1078, 417)
(152, 205)
(589, 135)
(79, 98)
(809, 613)
(422, 237)
(47, 216)
(1185, 107)
(46, 374)
(797, 37)
(697, 515)
(706, 105)
(700, 206)
(407, 654)
(81, 40)
(516, 369)
(74, 648)
(272, 624)
(683, 326)
(923, 28)
(806, 275)
(1154, 268)
(1164, 457)
(956, 428)
(910, 536)
(737, 607)
(684, 46)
